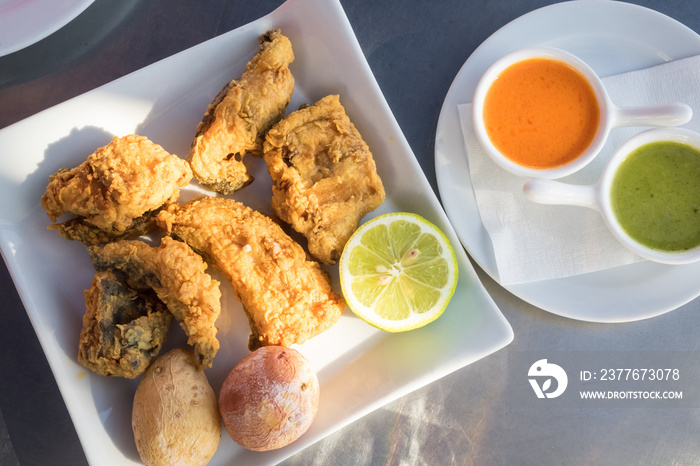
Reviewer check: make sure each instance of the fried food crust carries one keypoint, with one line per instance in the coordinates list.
(77, 229)
(239, 116)
(114, 189)
(178, 277)
(324, 176)
(287, 298)
(123, 330)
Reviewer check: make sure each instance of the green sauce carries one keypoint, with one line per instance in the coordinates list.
(655, 196)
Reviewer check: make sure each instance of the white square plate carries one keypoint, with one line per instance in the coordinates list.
(359, 367)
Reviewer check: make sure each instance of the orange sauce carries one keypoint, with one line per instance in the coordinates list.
(541, 113)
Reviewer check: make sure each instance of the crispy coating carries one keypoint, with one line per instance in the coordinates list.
(114, 189)
(324, 176)
(123, 330)
(177, 275)
(236, 121)
(287, 298)
(77, 229)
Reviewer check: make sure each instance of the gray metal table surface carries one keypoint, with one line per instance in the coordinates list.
(414, 48)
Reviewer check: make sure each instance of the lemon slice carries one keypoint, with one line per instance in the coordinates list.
(398, 272)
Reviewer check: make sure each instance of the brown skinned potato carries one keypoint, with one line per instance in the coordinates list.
(269, 399)
(175, 416)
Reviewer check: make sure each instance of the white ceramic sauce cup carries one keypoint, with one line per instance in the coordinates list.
(611, 116)
(598, 196)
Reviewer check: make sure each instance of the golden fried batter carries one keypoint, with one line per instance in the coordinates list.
(114, 189)
(123, 330)
(177, 275)
(324, 176)
(236, 121)
(77, 229)
(288, 299)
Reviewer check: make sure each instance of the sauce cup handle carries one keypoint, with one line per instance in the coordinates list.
(673, 114)
(555, 192)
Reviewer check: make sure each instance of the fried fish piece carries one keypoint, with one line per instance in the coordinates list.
(287, 298)
(177, 276)
(77, 229)
(123, 330)
(114, 190)
(324, 176)
(236, 121)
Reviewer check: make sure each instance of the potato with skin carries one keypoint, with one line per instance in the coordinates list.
(175, 416)
(269, 399)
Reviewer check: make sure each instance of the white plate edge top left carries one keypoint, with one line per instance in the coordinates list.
(27, 23)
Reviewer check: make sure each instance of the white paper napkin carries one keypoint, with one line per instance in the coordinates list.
(539, 242)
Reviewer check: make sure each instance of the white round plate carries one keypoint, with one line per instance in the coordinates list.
(22, 22)
(612, 37)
